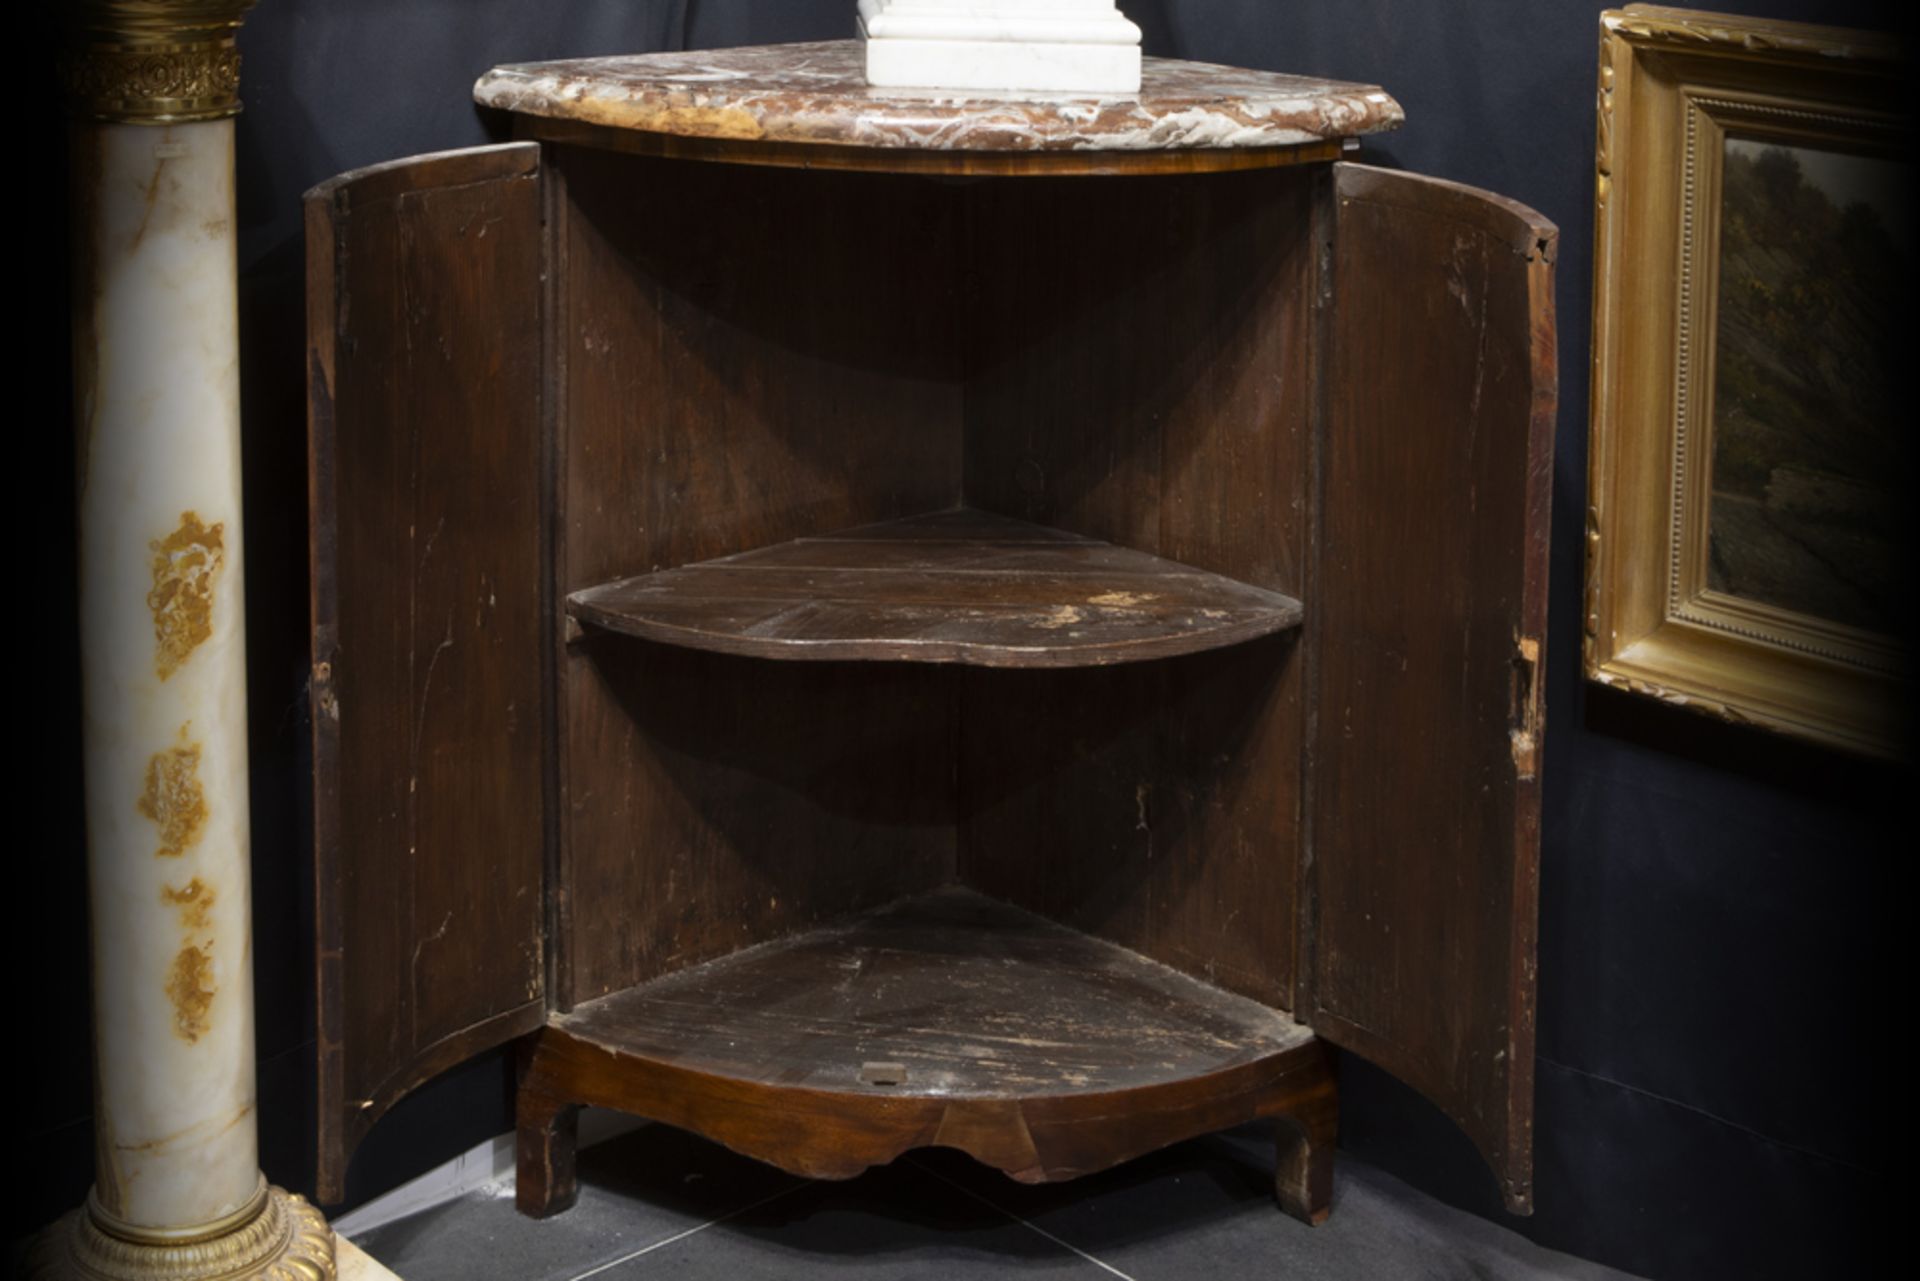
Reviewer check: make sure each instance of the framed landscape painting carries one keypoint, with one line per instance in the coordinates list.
(1750, 471)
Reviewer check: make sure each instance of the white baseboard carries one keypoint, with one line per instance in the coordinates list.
(484, 1168)
(485, 1165)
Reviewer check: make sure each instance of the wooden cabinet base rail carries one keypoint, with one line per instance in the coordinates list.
(944, 1020)
(825, 1135)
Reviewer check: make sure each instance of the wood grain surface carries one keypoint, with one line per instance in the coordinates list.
(1429, 621)
(1018, 435)
(946, 1020)
(952, 587)
(425, 346)
(1141, 372)
(735, 369)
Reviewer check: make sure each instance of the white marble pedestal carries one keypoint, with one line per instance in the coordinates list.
(178, 1191)
(1065, 46)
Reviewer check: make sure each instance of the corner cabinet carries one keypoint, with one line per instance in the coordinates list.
(846, 621)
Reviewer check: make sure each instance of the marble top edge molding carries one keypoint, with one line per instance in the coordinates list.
(817, 94)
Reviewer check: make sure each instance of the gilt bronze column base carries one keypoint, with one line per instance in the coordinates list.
(278, 1237)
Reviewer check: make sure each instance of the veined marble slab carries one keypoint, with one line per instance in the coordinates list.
(817, 93)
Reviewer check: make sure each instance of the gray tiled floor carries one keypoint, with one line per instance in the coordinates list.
(658, 1203)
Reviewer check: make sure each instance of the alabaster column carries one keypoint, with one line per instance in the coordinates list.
(178, 1190)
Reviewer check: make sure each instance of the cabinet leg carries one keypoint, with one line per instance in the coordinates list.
(1306, 1129)
(1304, 1180)
(546, 1133)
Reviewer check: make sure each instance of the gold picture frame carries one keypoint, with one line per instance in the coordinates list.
(1680, 92)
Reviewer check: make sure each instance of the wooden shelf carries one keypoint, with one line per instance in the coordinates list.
(946, 1019)
(953, 587)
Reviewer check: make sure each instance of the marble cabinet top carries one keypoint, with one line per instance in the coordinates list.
(817, 93)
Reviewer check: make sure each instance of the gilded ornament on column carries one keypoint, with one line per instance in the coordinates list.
(278, 1238)
(153, 61)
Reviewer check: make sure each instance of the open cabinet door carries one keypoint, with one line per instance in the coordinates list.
(429, 692)
(1431, 596)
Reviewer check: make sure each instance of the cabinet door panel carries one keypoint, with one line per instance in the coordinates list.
(1430, 609)
(429, 700)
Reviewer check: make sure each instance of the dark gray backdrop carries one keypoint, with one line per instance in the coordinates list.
(1712, 957)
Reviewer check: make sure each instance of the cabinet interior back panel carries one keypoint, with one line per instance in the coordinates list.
(1140, 370)
(744, 356)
